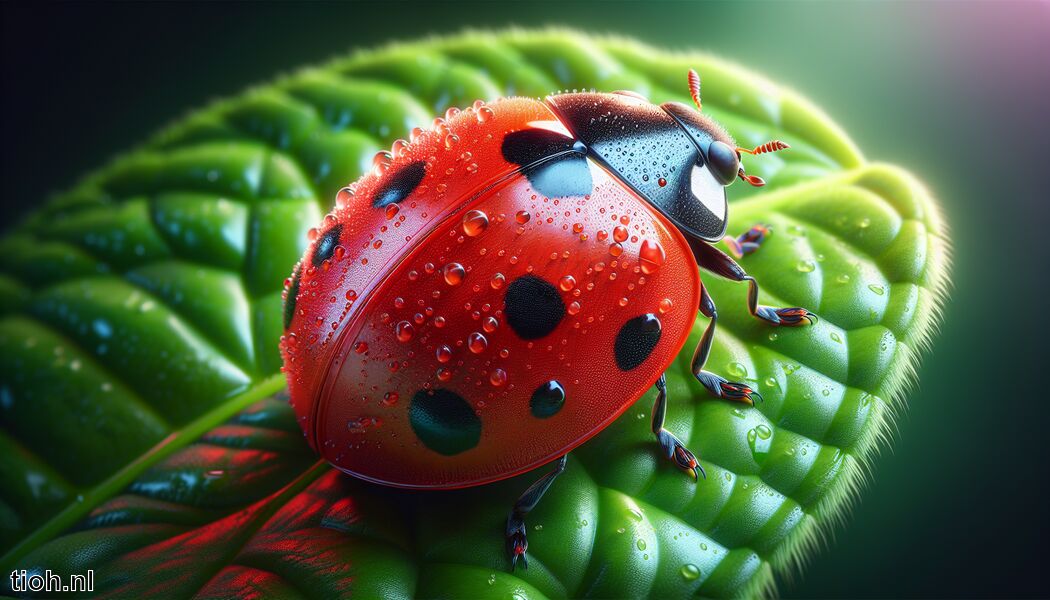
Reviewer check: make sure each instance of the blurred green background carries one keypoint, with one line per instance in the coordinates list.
(955, 92)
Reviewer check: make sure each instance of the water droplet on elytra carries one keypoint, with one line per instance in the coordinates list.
(477, 343)
(454, 273)
(498, 377)
(652, 256)
(475, 222)
(443, 354)
(404, 331)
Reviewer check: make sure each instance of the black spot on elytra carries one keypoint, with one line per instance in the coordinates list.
(564, 176)
(326, 244)
(636, 340)
(293, 293)
(444, 421)
(399, 184)
(533, 307)
(547, 400)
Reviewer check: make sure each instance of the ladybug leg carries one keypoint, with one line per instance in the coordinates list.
(517, 543)
(720, 387)
(672, 447)
(720, 263)
(747, 242)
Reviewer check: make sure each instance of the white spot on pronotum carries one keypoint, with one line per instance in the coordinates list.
(707, 189)
(553, 125)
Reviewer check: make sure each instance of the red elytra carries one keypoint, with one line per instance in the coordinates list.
(502, 286)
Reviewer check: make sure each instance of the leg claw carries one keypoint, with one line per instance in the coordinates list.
(748, 242)
(680, 455)
(729, 390)
(517, 543)
(787, 317)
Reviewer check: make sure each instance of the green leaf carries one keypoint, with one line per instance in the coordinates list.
(141, 310)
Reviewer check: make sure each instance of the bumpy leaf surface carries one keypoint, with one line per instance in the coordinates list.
(140, 312)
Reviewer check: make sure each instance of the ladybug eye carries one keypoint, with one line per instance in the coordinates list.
(724, 162)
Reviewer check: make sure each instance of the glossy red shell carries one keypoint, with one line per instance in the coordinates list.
(412, 300)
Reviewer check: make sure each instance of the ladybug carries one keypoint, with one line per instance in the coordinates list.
(503, 285)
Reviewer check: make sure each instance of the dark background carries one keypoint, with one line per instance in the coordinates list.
(957, 92)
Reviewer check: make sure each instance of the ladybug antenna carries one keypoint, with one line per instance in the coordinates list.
(771, 146)
(694, 88)
(754, 180)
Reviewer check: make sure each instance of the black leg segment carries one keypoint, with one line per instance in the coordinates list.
(672, 447)
(720, 263)
(517, 543)
(718, 386)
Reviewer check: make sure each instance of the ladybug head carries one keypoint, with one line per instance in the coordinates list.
(716, 148)
(674, 156)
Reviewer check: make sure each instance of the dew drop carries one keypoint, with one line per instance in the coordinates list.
(567, 283)
(805, 266)
(443, 354)
(454, 273)
(343, 196)
(665, 306)
(690, 572)
(574, 308)
(490, 324)
(620, 233)
(498, 377)
(475, 222)
(652, 256)
(736, 370)
(522, 217)
(404, 331)
(477, 343)
(485, 114)
(497, 281)
(381, 162)
(758, 442)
